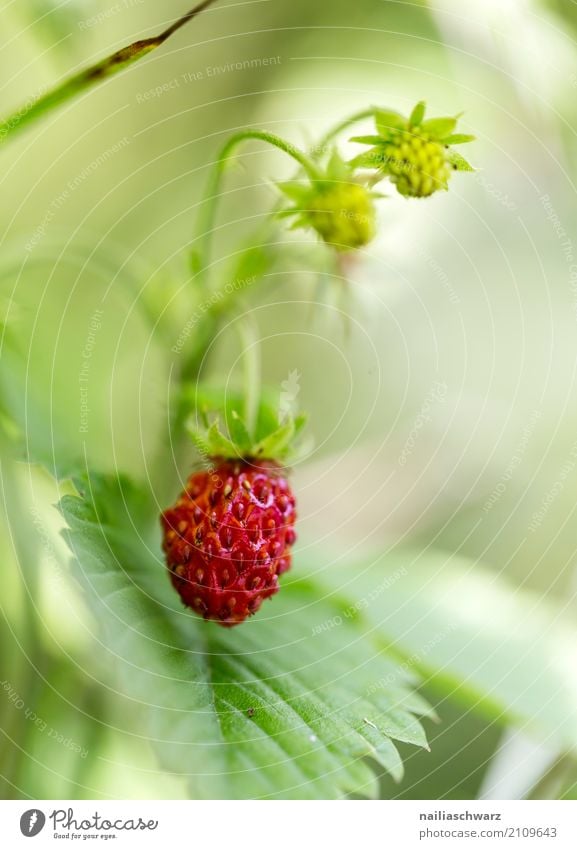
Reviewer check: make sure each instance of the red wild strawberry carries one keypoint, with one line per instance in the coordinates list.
(228, 538)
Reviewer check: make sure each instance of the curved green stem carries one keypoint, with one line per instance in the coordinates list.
(212, 192)
(252, 370)
(36, 107)
(335, 131)
(207, 217)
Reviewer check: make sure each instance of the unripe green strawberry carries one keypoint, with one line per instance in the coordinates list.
(339, 209)
(415, 154)
(416, 163)
(343, 215)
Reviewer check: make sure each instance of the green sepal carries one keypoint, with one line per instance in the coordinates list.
(458, 162)
(211, 443)
(335, 205)
(393, 129)
(238, 432)
(200, 442)
(219, 428)
(388, 120)
(337, 168)
(369, 159)
(219, 444)
(273, 445)
(367, 139)
(418, 114)
(288, 213)
(294, 190)
(439, 128)
(458, 138)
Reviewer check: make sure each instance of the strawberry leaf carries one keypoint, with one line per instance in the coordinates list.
(294, 704)
(494, 647)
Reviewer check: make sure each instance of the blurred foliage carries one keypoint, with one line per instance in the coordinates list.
(473, 292)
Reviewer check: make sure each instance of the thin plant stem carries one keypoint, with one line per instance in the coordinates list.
(212, 193)
(37, 107)
(252, 375)
(206, 221)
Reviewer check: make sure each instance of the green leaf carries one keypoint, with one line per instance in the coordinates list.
(291, 704)
(458, 162)
(440, 127)
(458, 138)
(83, 81)
(418, 114)
(494, 647)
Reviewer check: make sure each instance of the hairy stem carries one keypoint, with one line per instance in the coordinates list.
(36, 108)
(212, 192)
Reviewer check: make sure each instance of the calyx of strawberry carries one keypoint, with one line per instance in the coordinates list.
(335, 205)
(414, 153)
(221, 428)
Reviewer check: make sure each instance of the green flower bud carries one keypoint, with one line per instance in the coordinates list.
(343, 215)
(341, 211)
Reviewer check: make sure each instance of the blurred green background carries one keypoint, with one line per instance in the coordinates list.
(474, 292)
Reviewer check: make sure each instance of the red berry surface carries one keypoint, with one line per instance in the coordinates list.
(228, 538)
